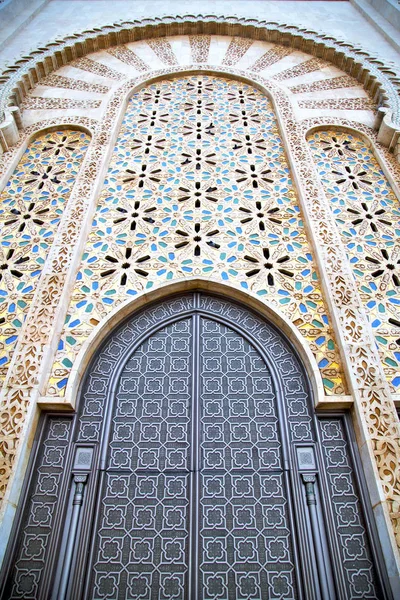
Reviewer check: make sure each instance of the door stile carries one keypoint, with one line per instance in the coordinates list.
(193, 559)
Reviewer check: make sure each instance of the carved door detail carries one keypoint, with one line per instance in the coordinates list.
(199, 471)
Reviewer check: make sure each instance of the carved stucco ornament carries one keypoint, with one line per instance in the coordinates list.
(378, 78)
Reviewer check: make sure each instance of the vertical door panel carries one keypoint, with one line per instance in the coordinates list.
(142, 533)
(359, 575)
(37, 532)
(245, 537)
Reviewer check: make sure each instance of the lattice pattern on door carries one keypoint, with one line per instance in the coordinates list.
(32, 552)
(244, 528)
(367, 215)
(220, 512)
(143, 531)
(354, 548)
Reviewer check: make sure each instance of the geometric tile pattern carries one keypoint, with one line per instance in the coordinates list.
(338, 103)
(200, 47)
(31, 208)
(367, 215)
(199, 185)
(236, 50)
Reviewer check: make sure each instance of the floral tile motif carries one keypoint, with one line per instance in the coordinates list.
(367, 214)
(31, 207)
(198, 185)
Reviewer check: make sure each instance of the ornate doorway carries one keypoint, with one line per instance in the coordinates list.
(195, 469)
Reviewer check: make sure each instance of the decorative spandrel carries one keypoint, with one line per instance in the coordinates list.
(367, 215)
(199, 185)
(188, 412)
(31, 207)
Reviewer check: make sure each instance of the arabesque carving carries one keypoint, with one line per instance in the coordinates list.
(380, 81)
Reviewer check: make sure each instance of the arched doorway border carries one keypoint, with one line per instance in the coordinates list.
(115, 329)
(265, 310)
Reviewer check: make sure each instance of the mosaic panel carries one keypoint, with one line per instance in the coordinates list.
(31, 207)
(198, 186)
(367, 215)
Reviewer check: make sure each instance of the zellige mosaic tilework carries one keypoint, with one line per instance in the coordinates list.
(198, 186)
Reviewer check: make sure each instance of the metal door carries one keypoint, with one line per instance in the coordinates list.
(198, 471)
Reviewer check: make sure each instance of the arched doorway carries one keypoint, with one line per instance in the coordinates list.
(195, 468)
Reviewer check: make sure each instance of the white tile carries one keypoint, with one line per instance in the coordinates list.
(43, 91)
(351, 92)
(181, 48)
(34, 116)
(80, 74)
(287, 62)
(218, 47)
(366, 117)
(149, 57)
(104, 58)
(321, 74)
